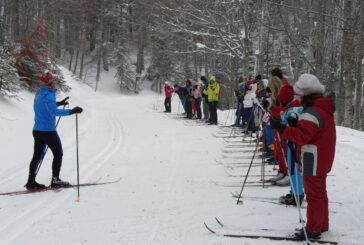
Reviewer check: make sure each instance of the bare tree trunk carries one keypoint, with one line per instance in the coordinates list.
(57, 41)
(140, 57)
(319, 40)
(347, 52)
(76, 61)
(82, 63)
(359, 109)
(71, 59)
(99, 58)
(359, 84)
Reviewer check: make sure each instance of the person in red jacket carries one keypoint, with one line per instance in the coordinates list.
(315, 136)
(168, 91)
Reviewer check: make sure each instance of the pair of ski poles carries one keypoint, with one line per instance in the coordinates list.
(78, 166)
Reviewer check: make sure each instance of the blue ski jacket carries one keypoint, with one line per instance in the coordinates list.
(45, 109)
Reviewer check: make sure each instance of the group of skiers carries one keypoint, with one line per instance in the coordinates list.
(298, 122)
(298, 132)
(191, 96)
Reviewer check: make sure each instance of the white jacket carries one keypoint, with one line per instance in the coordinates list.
(249, 96)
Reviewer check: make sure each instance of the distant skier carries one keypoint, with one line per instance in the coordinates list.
(205, 102)
(168, 91)
(182, 93)
(213, 94)
(250, 94)
(315, 136)
(197, 96)
(44, 132)
(188, 99)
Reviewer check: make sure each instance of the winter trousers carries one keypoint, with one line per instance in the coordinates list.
(239, 114)
(194, 106)
(183, 103)
(281, 149)
(249, 118)
(198, 107)
(206, 111)
(167, 104)
(269, 135)
(213, 111)
(189, 106)
(41, 140)
(317, 203)
(297, 186)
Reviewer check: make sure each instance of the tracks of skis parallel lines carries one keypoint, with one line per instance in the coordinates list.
(37, 210)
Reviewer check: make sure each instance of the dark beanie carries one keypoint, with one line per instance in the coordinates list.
(286, 95)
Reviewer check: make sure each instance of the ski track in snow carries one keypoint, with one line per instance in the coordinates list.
(14, 228)
(167, 166)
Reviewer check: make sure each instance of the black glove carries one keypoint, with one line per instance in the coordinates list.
(276, 124)
(76, 110)
(292, 121)
(63, 102)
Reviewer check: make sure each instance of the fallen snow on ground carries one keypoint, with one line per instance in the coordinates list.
(167, 168)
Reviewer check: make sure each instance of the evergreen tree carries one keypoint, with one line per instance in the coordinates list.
(9, 79)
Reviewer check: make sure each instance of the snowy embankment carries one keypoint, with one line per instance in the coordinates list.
(166, 167)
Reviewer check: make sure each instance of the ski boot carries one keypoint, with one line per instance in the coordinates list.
(283, 198)
(33, 185)
(57, 182)
(284, 181)
(290, 200)
(279, 176)
(300, 234)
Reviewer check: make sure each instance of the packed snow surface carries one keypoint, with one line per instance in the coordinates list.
(167, 168)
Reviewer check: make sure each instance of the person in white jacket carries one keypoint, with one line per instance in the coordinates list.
(251, 89)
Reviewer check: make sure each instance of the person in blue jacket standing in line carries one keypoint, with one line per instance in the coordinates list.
(45, 134)
(292, 109)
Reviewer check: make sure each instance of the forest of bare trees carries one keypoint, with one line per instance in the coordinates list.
(175, 40)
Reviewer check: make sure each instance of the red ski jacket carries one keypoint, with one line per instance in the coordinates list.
(315, 136)
(168, 90)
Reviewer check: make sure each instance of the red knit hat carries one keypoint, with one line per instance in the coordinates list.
(286, 95)
(46, 79)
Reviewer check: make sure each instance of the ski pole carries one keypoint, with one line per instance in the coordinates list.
(247, 174)
(295, 194)
(78, 166)
(45, 152)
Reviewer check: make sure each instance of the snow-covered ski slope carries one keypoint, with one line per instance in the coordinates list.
(166, 167)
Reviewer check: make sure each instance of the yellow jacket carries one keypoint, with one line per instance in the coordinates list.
(212, 91)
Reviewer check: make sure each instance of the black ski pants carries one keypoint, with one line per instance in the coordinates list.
(167, 104)
(41, 140)
(198, 108)
(213, 111)
(188, 102)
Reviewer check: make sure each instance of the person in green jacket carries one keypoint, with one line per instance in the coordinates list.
(213, 94)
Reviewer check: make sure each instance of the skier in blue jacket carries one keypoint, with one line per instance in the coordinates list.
(45, 134)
